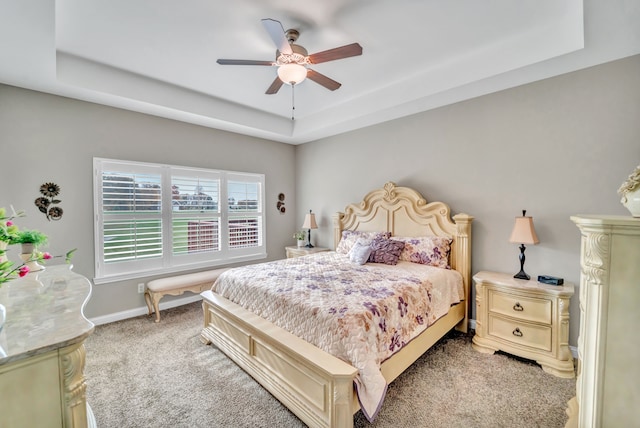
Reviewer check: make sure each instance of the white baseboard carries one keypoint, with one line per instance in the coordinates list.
(574, 350)
(143, 310)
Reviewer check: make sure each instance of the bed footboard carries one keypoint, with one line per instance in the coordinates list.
(313, 384)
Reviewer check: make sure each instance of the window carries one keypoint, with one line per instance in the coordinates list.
(153, 218)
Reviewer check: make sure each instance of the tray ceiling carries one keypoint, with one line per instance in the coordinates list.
(159, 57)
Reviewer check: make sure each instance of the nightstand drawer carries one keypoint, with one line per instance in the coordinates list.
(532, 335)
(522, 308)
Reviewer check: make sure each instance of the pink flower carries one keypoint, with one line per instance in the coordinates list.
(9, 223)
(46, 256)
(23, 271)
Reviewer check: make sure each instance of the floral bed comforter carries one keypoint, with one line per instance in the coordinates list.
(361, 314)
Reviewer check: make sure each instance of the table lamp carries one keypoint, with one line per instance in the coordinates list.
(309, 223)
(523, 233)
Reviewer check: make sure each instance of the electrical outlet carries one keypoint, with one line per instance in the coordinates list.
(141, 288)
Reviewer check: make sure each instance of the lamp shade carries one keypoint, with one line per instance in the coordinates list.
(292, 74)
(523, 231)
(310, 221)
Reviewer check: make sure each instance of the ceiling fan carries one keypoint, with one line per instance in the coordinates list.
(292, 60)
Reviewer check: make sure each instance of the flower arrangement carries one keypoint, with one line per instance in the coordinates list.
(11, 235)
(299, 235)
(8, 271)
(632, 182)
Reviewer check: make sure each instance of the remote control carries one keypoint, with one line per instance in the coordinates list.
(546, 279)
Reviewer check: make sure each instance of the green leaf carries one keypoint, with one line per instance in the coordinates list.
(69, 255)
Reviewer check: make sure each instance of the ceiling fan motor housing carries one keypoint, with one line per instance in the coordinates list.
(292, 35)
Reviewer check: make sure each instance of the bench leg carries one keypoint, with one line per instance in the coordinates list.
(147, 299)
(153, 298)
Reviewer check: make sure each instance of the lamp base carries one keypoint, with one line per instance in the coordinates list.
(309, 239)
(522, 274)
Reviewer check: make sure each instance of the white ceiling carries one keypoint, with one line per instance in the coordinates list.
(159, 56)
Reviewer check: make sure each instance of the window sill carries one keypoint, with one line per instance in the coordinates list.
(175, 270)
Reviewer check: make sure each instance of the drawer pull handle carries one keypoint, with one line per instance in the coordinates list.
(517, 332)
(518, 307)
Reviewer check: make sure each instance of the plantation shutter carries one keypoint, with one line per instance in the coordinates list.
(196, 213)
(244, 211)
(154, 219)
(132, 222)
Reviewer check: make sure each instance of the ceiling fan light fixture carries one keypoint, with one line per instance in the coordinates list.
(292, 74)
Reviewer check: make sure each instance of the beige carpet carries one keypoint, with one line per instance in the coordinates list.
(143, 374)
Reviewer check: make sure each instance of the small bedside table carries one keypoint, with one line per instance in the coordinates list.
(524, 318)
(295, 251)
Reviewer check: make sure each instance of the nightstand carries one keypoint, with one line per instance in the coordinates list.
(294, 251)
(524, 318)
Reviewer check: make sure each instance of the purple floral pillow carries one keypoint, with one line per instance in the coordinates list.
(385, 251)
(349, 237)
(427, 250)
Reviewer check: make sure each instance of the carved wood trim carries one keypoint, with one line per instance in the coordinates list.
(72, 362)
(596, 257)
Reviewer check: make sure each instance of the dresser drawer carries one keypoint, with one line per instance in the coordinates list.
(519, 307)
(532, 335)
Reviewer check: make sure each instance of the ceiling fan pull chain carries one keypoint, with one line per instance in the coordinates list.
(293, 101)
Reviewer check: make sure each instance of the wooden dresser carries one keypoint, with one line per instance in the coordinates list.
(42, 353)
(608, 383)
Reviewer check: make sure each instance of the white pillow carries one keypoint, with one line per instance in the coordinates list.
(360, 251)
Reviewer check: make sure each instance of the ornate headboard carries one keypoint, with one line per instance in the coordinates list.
(404, 212)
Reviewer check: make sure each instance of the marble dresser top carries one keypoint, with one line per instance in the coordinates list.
(44, 312)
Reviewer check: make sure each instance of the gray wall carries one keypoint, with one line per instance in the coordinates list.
(557, 147)
(49, 138)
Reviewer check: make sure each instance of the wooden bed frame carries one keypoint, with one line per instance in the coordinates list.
(313, 384)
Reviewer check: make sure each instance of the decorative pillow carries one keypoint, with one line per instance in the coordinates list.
(385, 251)
(427, 250)
(360, 251)
(349, 237)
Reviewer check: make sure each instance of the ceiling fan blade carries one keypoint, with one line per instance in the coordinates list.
(354, 49)
(323, 80)
(243, 62)
(276, 31)
(275, 87)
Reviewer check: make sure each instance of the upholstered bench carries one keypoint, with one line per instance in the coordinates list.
(176, 285)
